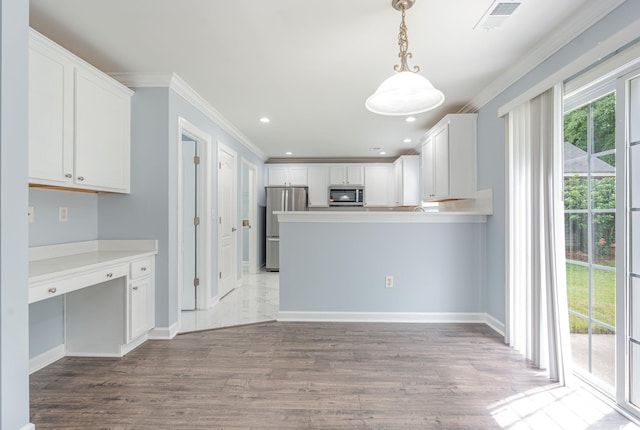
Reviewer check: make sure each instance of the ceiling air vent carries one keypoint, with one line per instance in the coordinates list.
(497, 13)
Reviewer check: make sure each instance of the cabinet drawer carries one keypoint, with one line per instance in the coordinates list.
(76, 282)
(141, 268)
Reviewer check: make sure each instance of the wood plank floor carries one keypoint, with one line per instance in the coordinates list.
(297, 376)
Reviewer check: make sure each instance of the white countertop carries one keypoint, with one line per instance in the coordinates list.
(381, 217)
(47, 262)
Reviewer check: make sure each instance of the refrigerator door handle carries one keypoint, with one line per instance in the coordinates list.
(273, 239)
(286, 200)
(283, 200)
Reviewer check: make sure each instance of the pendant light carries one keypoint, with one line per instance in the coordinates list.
(406, 92)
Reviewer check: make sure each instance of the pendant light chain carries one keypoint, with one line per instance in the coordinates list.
(403, 43)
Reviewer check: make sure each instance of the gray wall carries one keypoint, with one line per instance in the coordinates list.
(14, 334)
(150, 211)
(332, 267)
(491, 150)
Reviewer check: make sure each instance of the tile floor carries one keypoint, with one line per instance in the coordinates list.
(256, 299)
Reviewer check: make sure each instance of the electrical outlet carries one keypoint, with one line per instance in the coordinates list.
(63, 214)
(389, 281)
(31, 214)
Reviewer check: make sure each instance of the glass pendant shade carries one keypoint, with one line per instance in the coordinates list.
(404, 93)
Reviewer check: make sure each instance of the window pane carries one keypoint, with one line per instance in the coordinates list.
(604, 296)
(575, 191)
(603, 183)
(576, 236)
(578, 291)
(604, 239)
(575, 127)
(604, 123)
(603, 355)
(579, 342)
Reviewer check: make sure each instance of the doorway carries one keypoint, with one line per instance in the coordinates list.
(194, 226)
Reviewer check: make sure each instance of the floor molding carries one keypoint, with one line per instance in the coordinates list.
(28, 427)
(164, 333)
(46, 358)
(494, 323)
(399, 317)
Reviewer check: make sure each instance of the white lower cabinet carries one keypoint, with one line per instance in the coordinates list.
(141, 299)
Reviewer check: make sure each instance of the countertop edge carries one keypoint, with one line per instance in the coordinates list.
(380, 217)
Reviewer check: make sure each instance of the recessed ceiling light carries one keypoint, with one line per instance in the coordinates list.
(407, 140)
(265, 120)
(288, 153)
(383, 153)
(410, 119)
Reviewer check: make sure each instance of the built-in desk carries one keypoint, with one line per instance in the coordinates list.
(108, 288)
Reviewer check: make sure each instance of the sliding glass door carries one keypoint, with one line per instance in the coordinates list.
(590, 236)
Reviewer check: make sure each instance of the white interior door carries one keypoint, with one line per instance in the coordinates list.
(189, 224)
(227, 220)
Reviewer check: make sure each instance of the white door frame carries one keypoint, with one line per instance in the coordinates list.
(252, 201)
(204, 198)
(234, 217)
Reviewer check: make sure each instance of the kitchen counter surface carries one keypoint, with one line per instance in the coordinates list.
(382, 216)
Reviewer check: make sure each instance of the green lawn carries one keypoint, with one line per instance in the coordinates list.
(604, 297)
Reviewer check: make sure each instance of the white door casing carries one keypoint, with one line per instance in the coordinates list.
(251, 211)
(203, 291)
(227, 219)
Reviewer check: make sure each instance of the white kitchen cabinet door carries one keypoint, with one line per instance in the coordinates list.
(50, 117)
(298, 176)
(441, 163)
(379, 185)
(140, 307)
(407, 180)
(449, 159)
(286, 176)
(347, 175)
(102, 133)
(318, 186)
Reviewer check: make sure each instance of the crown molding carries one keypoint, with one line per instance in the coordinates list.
(176, 83)
(580, 21)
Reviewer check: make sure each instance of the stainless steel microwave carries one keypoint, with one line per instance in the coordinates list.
(346, 195)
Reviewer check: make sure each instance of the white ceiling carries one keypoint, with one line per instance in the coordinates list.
(310, 65)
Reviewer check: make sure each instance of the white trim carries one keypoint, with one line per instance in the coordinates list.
(221, 147)
(28, 427)
(617, 41)
(127, 348)
(41, 361)
(494, 323)
(164, 333)
(381, 217)
(253, 214)
(391, 317)
(578, 22)
(174, 82)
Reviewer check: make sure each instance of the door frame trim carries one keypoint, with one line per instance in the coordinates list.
(253, 216)
(203, 291)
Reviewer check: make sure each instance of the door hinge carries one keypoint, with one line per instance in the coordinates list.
(220, 165)
(196, 221)
(196, 282)
(220, 275)
(220, 220)
(196, 159)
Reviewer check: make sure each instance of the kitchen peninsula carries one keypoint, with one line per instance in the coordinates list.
(384, 265)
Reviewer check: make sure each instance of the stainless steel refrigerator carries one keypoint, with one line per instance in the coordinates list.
(281, 199)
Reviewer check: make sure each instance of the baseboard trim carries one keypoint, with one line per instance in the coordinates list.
(46, 358)
(125, 349)
(496, 325)
(28, 427)
(392, 317)
(164, 333)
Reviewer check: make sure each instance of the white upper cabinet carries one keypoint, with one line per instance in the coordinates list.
(79, 122)
(379, 185)
(407, 180)
(346, 175)
(286, 175)
(318, 186)
(449, 159)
